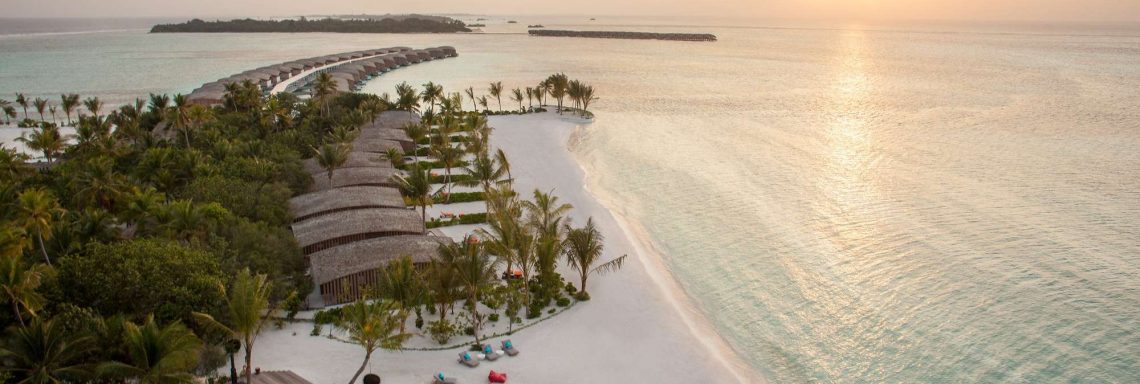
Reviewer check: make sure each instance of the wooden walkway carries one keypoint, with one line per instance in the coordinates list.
(279, 377)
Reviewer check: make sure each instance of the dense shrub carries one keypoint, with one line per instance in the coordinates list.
(140, 277)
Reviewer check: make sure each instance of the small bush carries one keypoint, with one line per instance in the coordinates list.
(571, 289)
(583, 296)
(494, 317)
(419, 323)
(469, 331)
(441, 331)
(551, 311)
(563, 301)
(316, 330)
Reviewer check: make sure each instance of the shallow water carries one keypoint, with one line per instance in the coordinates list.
(847, 204)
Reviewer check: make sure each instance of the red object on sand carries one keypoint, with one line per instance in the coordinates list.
(497, 377)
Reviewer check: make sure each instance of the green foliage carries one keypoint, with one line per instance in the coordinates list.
(250, 199)
(441, 331)
(562, 301)
(139, 277)
(459, 197)
(582, 296)
(494, 317)
(464, 219)
(455, 178)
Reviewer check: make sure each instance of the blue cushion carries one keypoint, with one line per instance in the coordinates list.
(487, 349)
(466, 356)
(508, 344)
(440, 376)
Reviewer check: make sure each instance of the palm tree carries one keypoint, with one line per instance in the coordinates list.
(157, 355)
(41, 106)
(530, 97)
(184, 220)
(496, 90)
(574, 91)
(471, 95)
(558, 85)
(483, 102)
(37, 210)
(395, 157)
(331, 156)
(247, 309)
(93, 104)
(504, 165)
(9, 112)
(159, 103)
(401, 283)
(449, 155)
(178, 117)
(196, 116)
(52, 110)
(583, 249)
(431, 94)
(484, 172)
(476, 270)
(373, 325)
(587, 96)
(543, 89)
(517, 95)
(545, 214)
(69, 102)
(417, 187)
(23, 102)
(44, 352)
(406, 98)
(323, 89)
(48, 140)
(442, 283)
(20, 282)
(416, 132)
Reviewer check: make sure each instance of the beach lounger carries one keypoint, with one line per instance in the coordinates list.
(510, 348)
(440, 379)
(490, 353)
(468, 359)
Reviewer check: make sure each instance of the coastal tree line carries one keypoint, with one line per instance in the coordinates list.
(385, 25)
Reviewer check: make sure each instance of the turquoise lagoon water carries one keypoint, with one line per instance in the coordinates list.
(846, 204)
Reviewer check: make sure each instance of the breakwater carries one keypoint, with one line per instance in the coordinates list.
(625, 35)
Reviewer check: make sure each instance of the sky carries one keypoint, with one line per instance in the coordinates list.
(849, 10)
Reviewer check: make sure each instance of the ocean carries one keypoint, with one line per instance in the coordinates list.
(845, 203)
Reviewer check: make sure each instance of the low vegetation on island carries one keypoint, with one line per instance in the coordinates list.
(337, 25)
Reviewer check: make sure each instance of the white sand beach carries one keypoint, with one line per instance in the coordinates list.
(637, 329)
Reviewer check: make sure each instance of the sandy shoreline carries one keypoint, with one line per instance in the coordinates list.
(639, 327)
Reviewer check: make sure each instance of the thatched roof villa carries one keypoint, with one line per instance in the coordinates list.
(342, 273)
(356, 159)
(334, 200)
(348, 177)
(337, 228)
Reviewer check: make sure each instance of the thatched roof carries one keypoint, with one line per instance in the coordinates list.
(333, 229)
(375, 145)
(346, 177)
(397, 119)
(355, 159)
(336, 262)
(424, 55)
(379, 132)
(342, 199)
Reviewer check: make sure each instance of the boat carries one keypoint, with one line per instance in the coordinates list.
(536, 26)
(512, 22)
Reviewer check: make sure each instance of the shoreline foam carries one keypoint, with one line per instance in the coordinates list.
(655, 266)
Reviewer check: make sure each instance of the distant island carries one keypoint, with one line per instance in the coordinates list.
(337, 25)
(625, 35)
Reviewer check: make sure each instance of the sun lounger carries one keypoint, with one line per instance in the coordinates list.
(440, 379)
(509, 348)
(468, 359)
(490, 353)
